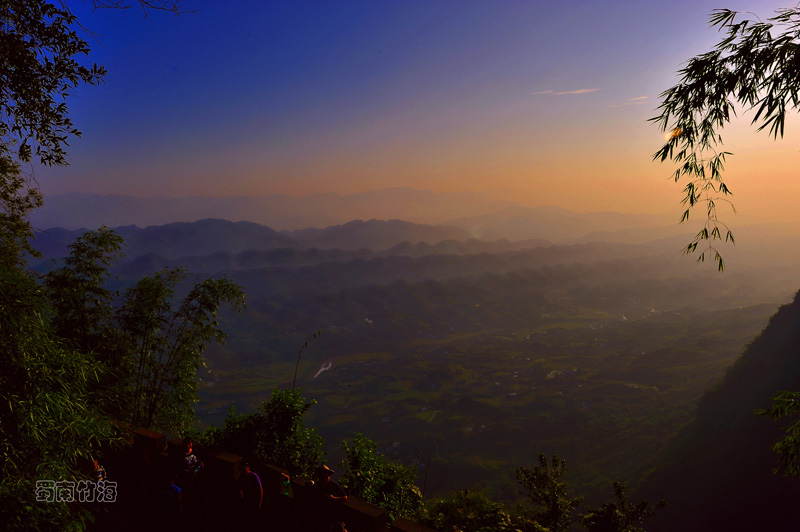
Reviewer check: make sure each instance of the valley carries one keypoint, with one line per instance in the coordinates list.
(468, 358)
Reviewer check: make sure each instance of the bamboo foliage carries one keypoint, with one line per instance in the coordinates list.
(754, 66)
(166, 344)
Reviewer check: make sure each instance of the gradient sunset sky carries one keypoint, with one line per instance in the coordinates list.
(541, 102)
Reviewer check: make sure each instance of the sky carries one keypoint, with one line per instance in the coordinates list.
(540, 102)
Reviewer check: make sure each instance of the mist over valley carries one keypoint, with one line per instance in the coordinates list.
(584, 335)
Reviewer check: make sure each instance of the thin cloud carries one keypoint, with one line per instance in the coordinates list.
(543, 92)
(628, 103)
(638, 100)
(579, 91)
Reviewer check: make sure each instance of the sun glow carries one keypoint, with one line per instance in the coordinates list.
(672, 133)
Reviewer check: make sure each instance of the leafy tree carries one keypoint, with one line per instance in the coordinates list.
(81, 301)
(545, 488)
(754, 65)
(39, 69)
(172, 6)
(470, 511)
(786, 404)
(377, 480)
(621, 515)
(16, 202)
(275, 434)
(40, 52)
(47, 422)
(166, 345)
(59, 349)
(150, 354)
(82, 310)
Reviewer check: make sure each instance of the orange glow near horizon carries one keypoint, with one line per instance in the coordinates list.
(606, 172)
(498, 114)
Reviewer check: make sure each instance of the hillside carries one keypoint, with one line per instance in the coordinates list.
(717, 473)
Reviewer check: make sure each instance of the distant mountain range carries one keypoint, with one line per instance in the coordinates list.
(175, 240)
(472, 213)
(281, 212)
(241, 245)
(204, 237)
(374, 234)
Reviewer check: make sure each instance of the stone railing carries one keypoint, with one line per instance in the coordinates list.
(212, 499)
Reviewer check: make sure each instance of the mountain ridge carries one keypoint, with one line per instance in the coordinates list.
(706, 470)
(280, 211)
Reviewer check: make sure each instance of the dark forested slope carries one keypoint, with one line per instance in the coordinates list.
(717, 473)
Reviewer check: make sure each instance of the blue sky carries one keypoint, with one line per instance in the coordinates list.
(545, 102)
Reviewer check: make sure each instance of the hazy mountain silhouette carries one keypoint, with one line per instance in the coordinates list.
(211, 236)
(279, 211)
(717, 473)
(251, 259)
(551, 223)
(176, 239)
(641, 235)
(483, 218)
(295, 257)
(467, 247)
(288, 270)
(373, 234)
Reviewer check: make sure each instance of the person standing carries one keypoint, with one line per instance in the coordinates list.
(323, 503)
(191, 464)
(324, 487)
(252, 492)
(171, 501)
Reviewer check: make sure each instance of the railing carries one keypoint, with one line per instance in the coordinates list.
(212, 498)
